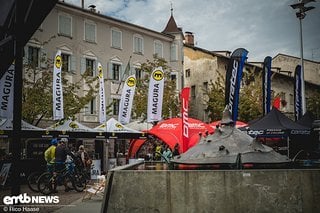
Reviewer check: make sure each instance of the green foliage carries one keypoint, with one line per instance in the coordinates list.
(250, 97)
(313, 104)
(170, 106)
(37, 93)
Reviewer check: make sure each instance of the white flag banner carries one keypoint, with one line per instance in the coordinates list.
(102, 107)
(6, 93)
(57, 88)
(155, 95)
(126, 100)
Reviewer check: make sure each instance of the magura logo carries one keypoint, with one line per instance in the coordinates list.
(131, 82)
(157, 75)
(118, 125)
(58, 61)
(73, 125)
(100, 73)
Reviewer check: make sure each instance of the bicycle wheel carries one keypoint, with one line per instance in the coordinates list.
(32, 181)
(46, 184)
(79, 182)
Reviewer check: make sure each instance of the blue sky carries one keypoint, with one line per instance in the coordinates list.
(263, 27)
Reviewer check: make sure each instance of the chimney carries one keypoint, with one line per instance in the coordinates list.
(189, 38)
(82, 4)
(92, 8)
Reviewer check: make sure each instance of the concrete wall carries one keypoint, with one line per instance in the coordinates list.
(213, 191)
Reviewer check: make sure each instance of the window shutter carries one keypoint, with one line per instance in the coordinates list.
(73, 64)
(109, 71)
(82, 65)
(43, 58)
(94, 72)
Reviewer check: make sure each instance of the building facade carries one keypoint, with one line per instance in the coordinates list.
(86, 37)
(202, 66)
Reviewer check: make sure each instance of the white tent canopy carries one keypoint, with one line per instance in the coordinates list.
(112, 125)
(71, 126)
(7, 124)
(140, 125)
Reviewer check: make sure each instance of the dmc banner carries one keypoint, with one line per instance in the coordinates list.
(7, 93)
(155, 95)
(57, 88)
(126, 100)
(185, 115)
(102, 107)
(298, 113)
(266, 85)
(233, 79)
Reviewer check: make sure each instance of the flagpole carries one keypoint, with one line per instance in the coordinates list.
(124, 73)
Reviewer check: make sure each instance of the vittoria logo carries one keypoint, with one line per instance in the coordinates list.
(157, 75)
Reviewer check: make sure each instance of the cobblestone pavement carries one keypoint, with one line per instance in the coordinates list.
(65, 199)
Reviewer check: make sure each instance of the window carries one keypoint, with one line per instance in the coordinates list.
(89, 32)
(291, 99)
(116, 71)
(91, 107)
(90, 66)
(174, 52)
(116, 38)
(116, 106)
(33, 56)
(138, 44)
(158, 51)
(65, 25)
(138, 73)
(65, 62)
(205, 86)
(188, 73)
(193, 91)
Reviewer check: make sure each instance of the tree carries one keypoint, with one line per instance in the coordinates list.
(37, 93)
(249, 101)
(313, 104)
(170, 106)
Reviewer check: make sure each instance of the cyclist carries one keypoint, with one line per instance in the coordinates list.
(61, 156)
(49, 155)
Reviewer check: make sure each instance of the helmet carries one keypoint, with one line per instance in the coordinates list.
(64, 140)
(54, 141)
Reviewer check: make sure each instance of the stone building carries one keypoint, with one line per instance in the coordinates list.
(201, 66)
(86, 37)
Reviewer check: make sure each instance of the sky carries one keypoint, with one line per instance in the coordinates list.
(263, 27)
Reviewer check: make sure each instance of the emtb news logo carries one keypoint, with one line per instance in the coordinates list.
(26, 199)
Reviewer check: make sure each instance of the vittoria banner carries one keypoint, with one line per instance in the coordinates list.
(126, 100)
(155, 95)
(102, 107)
(57, 88)
(298, 113)
(7, 93)
(266, 85)
(233, 79)
(185, 115)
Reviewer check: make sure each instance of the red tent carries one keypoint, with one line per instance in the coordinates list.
(170, 132)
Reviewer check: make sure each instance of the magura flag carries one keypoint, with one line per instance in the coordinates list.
(298, 113)
(57, 88)
(233, 79)
(266, 85)
(155, 95)
(7, 93)
(126, 100)
(102, 106)
(185, 115)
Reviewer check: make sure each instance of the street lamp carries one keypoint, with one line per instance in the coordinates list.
(301, 13)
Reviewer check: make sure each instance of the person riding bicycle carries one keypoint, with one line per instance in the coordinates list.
(49, 155)
(61, 156)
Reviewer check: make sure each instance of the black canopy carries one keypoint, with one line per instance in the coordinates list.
(276, 124)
